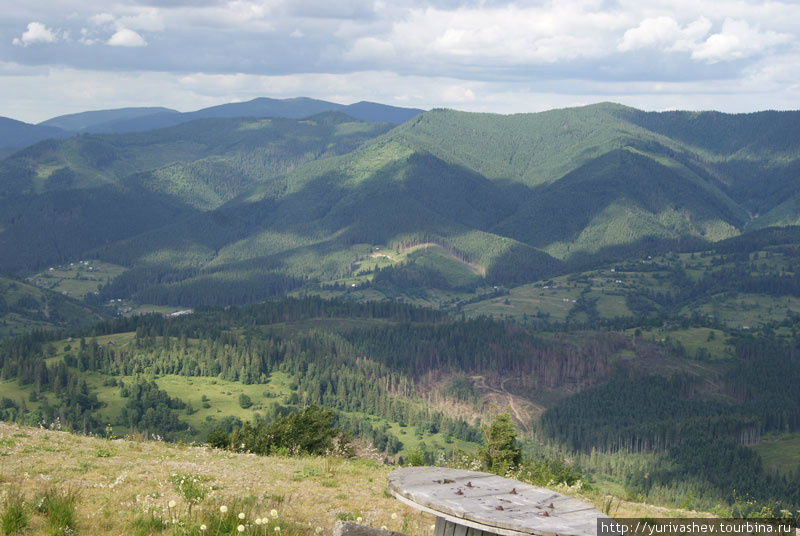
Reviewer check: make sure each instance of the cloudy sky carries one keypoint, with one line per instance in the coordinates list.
(64, 56)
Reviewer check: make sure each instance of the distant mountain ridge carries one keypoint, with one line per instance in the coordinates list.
(140, 119)
(256, 207)
(93, 120)
(16, 134)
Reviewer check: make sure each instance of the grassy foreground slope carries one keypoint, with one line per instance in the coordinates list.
(124, 486)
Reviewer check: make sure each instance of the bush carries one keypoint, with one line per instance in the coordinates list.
(218, 439)
(245, 401)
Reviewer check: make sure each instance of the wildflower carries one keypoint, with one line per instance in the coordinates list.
(273, 513)
(383, 527)
(172, 504)
(203, 527)
(241, 515)
(240, 528)
(277, 529)
(394, 515)
(223, 509)
(258, 521)
(358, 519)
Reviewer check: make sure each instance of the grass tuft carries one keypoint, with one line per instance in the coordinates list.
(59, 507)
(14, 518)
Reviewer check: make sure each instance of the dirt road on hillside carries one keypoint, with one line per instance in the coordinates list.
(522, 410)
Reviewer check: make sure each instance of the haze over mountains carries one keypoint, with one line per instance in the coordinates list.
(217, 198)
(15, 133)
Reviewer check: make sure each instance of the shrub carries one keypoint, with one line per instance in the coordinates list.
(245, 401)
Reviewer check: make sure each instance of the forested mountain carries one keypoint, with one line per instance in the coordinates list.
(98, 120)
(60, 199)
(625, 282)
(224, 203)
(140, 119)
(15, 134)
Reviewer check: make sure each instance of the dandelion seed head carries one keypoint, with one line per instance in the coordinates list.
(394, 515)
(203, 528)
(277, 529)
(359, 519)
(273, 513)
(241, 515)
(240, 528)
(223, 508)
(172, 504)
(258, 521)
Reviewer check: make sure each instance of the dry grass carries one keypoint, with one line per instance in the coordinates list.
(121, 480)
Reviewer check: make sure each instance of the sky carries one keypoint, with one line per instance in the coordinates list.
(67, 56)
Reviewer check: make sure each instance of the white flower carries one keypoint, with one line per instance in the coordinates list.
(241, 515)
(223, 508)
(383, 527)
(172, 504)
(273, 513)
(394, 515)
(240, 528)
(277, 529)
(358, 519)
(258, 521)
(203, 528)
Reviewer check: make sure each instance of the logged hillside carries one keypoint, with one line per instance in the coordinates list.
(638, 411)
(254, 208)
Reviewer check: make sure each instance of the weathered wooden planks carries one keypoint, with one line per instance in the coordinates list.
(490, 503)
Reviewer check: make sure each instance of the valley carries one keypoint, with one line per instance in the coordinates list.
(623, 284)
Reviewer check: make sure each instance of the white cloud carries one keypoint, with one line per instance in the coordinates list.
(125, 37)
(368, 48)
(507, 35)
(457, 94)
(738, 40)
(36, 33)
(101, 19)
(664, 33)
(149, 20)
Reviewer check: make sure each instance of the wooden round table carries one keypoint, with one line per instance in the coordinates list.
(469, 503)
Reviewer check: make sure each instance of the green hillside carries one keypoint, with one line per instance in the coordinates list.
(251, 208)
(24, 307)
(654, 413)
(618, 198)
(62, 198)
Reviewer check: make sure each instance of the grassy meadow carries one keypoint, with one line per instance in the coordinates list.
(131, 486)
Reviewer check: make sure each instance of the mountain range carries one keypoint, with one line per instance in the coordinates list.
(15, 134)
(230, 203)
